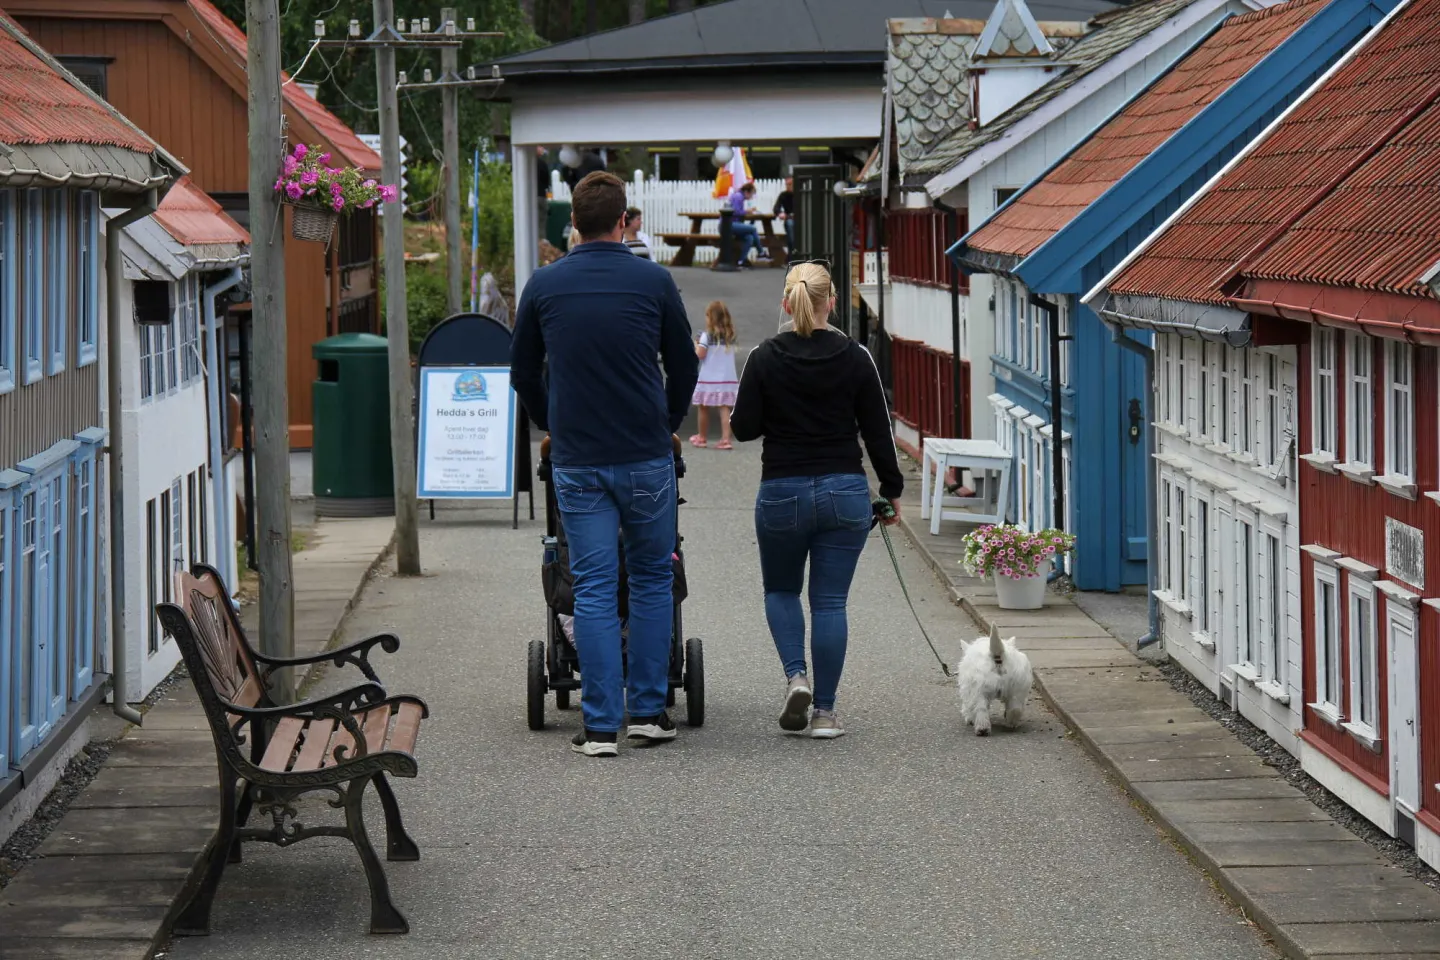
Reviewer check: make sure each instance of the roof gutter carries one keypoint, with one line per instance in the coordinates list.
(114, 323)
(1099, 291)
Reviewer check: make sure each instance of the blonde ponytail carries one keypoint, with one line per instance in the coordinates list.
(807, 294)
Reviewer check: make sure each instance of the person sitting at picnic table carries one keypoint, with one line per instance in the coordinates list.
(635, 236)
(741, 204)
(785, 212)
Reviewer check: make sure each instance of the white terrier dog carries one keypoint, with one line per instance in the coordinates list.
(993, 670)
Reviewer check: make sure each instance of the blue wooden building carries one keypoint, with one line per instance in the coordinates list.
(1052, 241)
(67, 153)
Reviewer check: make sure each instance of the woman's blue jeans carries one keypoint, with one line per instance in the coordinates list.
(826, 521)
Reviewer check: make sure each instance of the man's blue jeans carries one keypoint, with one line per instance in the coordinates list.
(790, 235)
(748, 236)
(826, 520)
(598, 506)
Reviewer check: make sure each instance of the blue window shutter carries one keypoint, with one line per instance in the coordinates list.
(32, 243)
(57, 265)
(8, 305)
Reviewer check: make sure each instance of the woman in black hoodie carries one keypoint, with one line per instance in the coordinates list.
(813, 394)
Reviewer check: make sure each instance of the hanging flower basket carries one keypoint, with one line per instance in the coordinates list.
(314, 224)
(320, 193)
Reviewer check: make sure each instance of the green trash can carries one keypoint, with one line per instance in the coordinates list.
(353, 473)
(557, 223)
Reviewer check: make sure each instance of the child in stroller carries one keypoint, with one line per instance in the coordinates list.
(553, 663)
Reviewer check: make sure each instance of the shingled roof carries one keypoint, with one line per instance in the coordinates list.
(1115, 31)
(58, 131)
(1140, 128)
(773, 34)
(1341, 192)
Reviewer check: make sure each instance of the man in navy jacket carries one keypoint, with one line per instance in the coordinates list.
(598, 318)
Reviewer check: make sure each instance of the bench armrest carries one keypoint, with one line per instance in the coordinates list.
(357, 653)
(361, 696)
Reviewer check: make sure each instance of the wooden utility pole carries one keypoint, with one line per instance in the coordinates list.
(397, 326)
(449, 67)
(637, 11)
(267, 343)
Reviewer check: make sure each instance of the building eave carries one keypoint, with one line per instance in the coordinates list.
(1204, 321)
(82, 166)
(1383, 313)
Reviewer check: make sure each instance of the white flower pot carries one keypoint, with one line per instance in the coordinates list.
(1026, 593)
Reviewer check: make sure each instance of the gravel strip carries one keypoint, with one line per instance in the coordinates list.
(1288, 767)
(82, 768)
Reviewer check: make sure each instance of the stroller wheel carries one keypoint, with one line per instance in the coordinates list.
(562, 699)
(694, 682)
(535, 686)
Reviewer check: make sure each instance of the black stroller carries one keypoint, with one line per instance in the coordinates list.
(553, 663)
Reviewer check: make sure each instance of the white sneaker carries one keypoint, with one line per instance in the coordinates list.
(797, 704)
(825, 725)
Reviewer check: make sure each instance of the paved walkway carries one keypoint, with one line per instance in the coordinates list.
(120, 856)
(1314, 886)
(906, 839)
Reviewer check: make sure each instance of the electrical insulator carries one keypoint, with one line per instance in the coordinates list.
(428, 76)
(425, 24)
(402, 79)
(319, 29)
(469, 73)
(449, 28)
(470, 24)
(400, 25)
(354, 28)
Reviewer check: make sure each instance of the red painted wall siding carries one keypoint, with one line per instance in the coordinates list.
(1343, 515)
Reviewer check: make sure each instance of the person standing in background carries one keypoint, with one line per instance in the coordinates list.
(785, 212)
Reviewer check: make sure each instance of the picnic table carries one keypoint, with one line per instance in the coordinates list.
(687, 242)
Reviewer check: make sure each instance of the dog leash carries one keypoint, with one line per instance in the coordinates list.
(895, 562)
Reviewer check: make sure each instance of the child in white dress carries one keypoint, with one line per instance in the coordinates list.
(717, 384)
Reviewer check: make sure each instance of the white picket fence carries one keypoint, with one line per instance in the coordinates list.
(666, 201)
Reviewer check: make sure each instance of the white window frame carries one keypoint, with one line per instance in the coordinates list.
(1037, 337)
(1166, 529)
(1248, 653)
(1399, 416)
(1066, 323)
(178, 559)
(1324, 399)
(1204, 566)
(1327, 644)
(1360, 402)
(1186, 394)
(9, 304)
(57, 279)
(187, 328)
(1364, 665)
(1273, 587)
(1225, 378)
(1272, 411)
(87, 232)
(1246, 435)
(1043, 506)
(1205, 393)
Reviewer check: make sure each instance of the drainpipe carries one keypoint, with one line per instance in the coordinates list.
(114, 324)
(1057, 416)
(882, 279)
(1152, 531)
(224, 539)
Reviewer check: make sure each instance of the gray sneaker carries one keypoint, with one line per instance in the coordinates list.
(797, 704)
(825, 725)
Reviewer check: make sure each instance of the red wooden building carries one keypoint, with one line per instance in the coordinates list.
(1352, 200)
(178, 69)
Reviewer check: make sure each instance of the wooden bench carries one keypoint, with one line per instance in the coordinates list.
(271, 755)
(686, 243)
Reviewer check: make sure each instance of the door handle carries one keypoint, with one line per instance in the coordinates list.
(1136, 415)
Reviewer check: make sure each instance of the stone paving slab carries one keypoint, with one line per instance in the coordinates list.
(112, 870)
(1316, 888)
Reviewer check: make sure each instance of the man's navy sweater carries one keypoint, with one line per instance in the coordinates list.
(598, 318)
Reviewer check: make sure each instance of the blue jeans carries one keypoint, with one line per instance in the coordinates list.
(825, 520)
(748, 236)
(790, 235)
(598, 506)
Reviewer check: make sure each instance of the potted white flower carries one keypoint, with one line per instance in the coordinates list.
(1018, 560)
(320, 193)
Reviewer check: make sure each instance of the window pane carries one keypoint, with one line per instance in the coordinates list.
(1277, 612)
(1202, 535)
(1364, 643)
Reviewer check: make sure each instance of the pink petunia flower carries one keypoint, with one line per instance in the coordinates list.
(309, 177)
(338, 203)
(324, 158)
(388, 192)
(293, 191)
(291, 165)
(300, 151)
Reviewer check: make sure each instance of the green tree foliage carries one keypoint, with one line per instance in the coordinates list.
(346, 77)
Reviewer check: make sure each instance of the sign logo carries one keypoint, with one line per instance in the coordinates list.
(470, 386)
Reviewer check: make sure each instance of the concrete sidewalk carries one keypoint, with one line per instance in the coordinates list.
(107, 877)
(1314, 886)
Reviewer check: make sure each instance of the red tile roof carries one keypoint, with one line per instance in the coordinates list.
(38, 105)
(1146, 123)
(341, 138)
(193, 219)
(1364, 147)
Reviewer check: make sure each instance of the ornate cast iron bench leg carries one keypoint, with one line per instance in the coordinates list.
(242, 816)
(398, 845)
(194, 919)
(384, 918)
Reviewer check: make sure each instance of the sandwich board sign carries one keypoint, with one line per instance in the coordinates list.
(467, 433)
